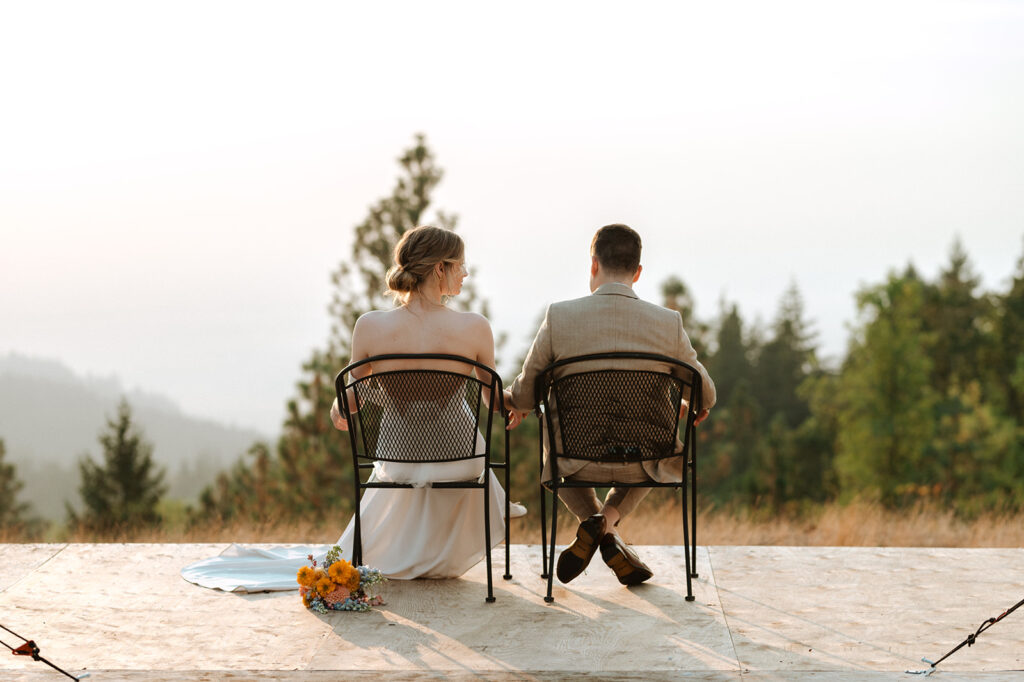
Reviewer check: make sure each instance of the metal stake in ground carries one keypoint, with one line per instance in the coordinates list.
(971, 638)
(30, 648)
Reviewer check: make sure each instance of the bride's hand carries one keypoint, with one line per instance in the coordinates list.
(515, 417)
(340, 422)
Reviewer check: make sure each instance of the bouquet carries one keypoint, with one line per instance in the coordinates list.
(337, 585)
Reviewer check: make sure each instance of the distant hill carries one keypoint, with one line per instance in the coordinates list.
(50, 417)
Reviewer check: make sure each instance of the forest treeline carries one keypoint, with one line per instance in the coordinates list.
(926, 405)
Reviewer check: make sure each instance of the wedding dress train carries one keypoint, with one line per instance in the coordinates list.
(406, 533)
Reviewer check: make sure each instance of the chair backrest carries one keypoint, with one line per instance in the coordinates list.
(600, 412)
(418, 415)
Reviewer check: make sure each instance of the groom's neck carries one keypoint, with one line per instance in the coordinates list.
(602, 278)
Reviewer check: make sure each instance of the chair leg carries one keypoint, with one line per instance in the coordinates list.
(508, 508)
(550, 567)
(357, 535)
(487, 535)
(543, 533)
(693, 520)
(544, 573)
(686, 549)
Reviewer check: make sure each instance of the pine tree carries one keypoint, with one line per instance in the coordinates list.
(731, 361)
(815, 439)
(676, 296)
(122, 492)
(311, 473)
(13, 514)
(886, 417)
(956, 318)
(1007, 363)
(786, 361)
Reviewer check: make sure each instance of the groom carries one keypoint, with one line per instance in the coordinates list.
(612, 318)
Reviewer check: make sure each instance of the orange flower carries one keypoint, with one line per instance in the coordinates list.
(306, 576)
(324, 585)
(337, 569)
(345, 574)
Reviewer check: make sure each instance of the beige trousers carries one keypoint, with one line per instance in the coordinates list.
(583, 502)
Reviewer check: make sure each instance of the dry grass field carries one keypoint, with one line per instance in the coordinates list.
(659, 522)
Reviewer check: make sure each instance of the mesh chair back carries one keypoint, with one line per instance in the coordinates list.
(417, 415)
(423, 416)
(618, 415)
(620, 406)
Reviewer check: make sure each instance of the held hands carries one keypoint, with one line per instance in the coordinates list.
(515, 417)
(340, 422)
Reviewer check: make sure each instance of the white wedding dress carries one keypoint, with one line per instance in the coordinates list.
(406, 533)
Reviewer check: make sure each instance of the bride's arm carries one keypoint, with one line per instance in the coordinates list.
(485, 354)
(361, 342)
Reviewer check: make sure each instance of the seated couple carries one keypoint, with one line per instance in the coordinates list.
(421, 532)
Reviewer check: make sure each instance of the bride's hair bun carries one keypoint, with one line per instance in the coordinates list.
(401, 280)
(416, 254)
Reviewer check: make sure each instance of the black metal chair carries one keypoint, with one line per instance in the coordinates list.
(593, 411)
(447, 410)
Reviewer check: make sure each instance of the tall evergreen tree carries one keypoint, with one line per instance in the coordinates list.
(13, 514)
(1007, 361)
(815, 439)
(731, 443)
(731, 361)
(786, 360)
(885, 419)
(676, 296)
(121, 492)
(956, 317)
(311, 473)
(978, 453)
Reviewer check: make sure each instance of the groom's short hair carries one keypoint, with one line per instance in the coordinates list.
(617, 248)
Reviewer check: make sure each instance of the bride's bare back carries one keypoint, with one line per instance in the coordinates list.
(429, 265)
(423, 327)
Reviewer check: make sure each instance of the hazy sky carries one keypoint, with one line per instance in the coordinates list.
(178, 180)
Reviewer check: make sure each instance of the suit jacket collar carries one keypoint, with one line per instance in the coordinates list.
(615, 289)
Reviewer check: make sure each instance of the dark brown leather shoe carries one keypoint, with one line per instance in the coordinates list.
(576, 556)
(621, 558)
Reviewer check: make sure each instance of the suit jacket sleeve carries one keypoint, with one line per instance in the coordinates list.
(687, 354)
(539, 356)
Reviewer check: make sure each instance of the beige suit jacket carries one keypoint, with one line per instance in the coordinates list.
(611, 319)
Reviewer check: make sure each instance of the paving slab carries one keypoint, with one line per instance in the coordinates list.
(122, 612)
(19, 561)
(843, 608)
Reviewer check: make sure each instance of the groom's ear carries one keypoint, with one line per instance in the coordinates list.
(593, 266)
(639, 269)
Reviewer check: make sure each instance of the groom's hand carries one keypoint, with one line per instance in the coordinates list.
(340, 422)
(515, 417)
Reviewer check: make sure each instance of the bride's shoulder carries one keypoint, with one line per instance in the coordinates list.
(471, 320)
(374, 320)
(374, 316)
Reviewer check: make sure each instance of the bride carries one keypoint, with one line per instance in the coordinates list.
(406, 533)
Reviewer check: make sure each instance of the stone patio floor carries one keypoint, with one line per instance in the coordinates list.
(122, 612)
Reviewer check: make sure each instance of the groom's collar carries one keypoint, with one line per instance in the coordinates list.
(615, 289)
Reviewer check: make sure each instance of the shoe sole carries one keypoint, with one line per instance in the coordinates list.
(578, 549)
(627, 572)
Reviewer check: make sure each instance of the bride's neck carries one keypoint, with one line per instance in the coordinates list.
(424, 300)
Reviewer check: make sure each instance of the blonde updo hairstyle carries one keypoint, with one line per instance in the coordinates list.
(417, 253)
